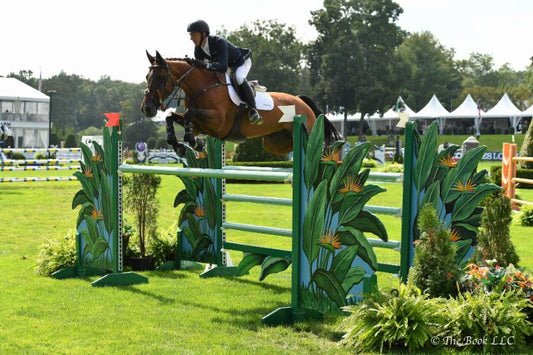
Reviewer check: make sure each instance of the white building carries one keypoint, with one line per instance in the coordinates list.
(24, 114)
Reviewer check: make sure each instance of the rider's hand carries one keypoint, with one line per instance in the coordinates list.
(198, 63)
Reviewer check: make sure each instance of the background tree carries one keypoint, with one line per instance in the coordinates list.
(428, 69)
(486, 84)
(276, 54)
(353, 54)
(478, 70)
(527, 147)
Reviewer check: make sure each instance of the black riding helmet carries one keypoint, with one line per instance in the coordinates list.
(198, 26)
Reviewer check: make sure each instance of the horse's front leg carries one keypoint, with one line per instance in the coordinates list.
(178, 147)
(189, 137)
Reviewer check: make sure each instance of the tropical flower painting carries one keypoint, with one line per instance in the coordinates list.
(454, 189)
(95, 219)
(198, 221)
(336, 255)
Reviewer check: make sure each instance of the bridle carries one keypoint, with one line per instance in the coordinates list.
(176, 87)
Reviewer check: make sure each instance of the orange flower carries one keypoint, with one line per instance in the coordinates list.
(96, 214)
(447, 161)
(454, 235)
(96, 158)
(466, 187)
(331, 154)
(330, 238)
(351, 184)
(88, 172)
(202, 155)
(450, 275)
(199, 211)
(483, 273)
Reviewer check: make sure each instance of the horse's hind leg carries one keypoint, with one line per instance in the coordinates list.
(278, 143)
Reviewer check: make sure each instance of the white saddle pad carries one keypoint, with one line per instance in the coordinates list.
(263, 100)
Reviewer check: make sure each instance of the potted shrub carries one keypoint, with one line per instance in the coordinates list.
(140, 199)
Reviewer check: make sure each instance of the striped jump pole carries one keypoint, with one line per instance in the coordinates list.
(39, 161)
(35, 150)
(39, 179)
(37, 168)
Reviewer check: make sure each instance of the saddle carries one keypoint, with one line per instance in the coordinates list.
(263, 100)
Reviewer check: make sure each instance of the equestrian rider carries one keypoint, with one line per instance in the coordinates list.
(219, 54)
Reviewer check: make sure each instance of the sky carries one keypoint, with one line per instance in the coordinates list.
(108, 38)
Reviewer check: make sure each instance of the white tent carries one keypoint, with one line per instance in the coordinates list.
(14, 90)
(25, 111)
(433, 109)
(376, 121)
(338, 118)
(528, 112)
(505, 108)
(468, 109)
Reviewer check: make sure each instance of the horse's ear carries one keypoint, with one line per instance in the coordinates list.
(150, 58)
(159, 59)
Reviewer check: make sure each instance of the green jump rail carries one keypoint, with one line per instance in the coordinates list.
(210, 173)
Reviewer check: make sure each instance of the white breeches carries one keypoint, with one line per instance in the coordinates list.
(242, 71)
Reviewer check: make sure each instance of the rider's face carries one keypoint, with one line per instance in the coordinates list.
(196, 37)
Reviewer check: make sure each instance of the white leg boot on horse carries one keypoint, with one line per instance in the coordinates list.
(249, 97)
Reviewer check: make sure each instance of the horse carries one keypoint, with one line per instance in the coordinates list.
(210, 110)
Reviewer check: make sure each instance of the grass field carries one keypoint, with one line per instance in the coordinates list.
(176, 312)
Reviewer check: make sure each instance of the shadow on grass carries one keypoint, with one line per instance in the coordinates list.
(250, 318)
(10, 190)
(276, 289)
(171, 274)
(159, 298)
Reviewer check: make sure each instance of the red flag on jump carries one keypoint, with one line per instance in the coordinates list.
(113, 119)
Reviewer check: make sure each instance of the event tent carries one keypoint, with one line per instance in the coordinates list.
(376, 121)
(468, 109)
(25, 112)
(528, 112)
(433, 110)
(505, 108)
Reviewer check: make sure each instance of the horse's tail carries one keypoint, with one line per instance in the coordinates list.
(331, 134)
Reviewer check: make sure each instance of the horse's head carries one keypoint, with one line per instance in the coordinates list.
(158, 86)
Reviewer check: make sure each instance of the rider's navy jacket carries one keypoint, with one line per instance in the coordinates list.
(223, 54)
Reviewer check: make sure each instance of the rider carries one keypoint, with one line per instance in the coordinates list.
(221, 54)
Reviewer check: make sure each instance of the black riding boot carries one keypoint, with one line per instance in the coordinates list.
(249, 97)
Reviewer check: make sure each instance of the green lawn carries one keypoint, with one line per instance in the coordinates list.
(176, 312)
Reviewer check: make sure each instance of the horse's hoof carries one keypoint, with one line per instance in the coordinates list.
(180, 150)
(199, 145)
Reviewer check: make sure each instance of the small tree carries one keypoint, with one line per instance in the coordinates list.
(494, 241)
(70, 141)
(162, 144)
(252, 150)
(434, 268)
(527, 148)
(140, 198)
(151, 142)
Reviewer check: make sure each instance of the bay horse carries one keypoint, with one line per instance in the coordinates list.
(210, 110)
